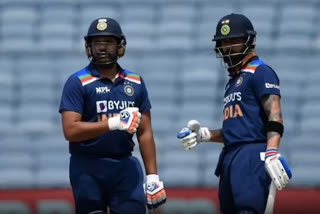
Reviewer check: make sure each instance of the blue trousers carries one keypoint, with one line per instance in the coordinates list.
(244, 181)
(101, 183)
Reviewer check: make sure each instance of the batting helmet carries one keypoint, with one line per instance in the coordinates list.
(234, 26)
(106, 27)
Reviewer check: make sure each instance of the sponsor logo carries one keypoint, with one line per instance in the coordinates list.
(270, 85)
(124, 116)
(152, 186)
(102, 90)
(106, 105)
(235, 96)
(101, 106)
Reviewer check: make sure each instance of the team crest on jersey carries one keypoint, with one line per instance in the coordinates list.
(239, 81)
(128, 89)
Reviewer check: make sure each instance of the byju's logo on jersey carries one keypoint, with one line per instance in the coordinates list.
(101, 106)
(104, 106)
(102, 90)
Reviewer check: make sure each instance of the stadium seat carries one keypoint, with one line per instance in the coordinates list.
(19, 13)
(58, 12)
(183, 12)
(137, 12)
(52, 177)
(12, 206)
(23, 44)
(54, 206)
(305, 176)
(182, 176)
(16, 160)
(16, 178)
(177, 158)
(191, 206)
(49, 159)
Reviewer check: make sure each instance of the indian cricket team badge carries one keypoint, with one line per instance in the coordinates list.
(128, 89)
(239, 81)
(225, 29)
(102, 24)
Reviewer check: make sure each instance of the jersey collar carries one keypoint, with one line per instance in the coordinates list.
(94, 72)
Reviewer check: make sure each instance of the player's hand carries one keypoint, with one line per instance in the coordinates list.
(192, 135)
(128, 120)
(155, 192)
(277, 168)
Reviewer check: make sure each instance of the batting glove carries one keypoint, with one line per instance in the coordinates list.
(128, 120)
(277, 168)
(192, 135)
(155, 192)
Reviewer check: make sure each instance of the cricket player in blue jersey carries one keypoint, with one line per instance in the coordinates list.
(102, 107)
(252, 125)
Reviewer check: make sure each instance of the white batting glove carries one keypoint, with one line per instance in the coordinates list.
(128, 120)
(192, 135)
(155, 193)
(277, 168)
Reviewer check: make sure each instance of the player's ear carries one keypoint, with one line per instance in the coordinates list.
(122, 47)
(88, 50)
(121, 50)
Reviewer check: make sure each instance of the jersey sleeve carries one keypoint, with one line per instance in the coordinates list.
(72, 98)
(266, 81)
(145, 104)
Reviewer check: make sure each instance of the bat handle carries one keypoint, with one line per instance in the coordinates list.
(271, 199)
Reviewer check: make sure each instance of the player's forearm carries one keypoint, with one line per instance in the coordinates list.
(148, 153)
(216, 136)
(272, 108)
(273, 141)
(81, 131)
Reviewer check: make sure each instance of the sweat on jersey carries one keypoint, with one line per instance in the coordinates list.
(244, 117)
(87, 93)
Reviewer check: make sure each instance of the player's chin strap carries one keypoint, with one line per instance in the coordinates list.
(234, 71)
(102, 64)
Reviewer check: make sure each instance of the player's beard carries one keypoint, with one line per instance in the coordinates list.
(105, 59)
(233, 61)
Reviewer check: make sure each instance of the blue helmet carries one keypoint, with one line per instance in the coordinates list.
(234, 26)
(105, 27)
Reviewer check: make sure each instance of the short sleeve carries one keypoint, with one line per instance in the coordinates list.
(72, 98)
(145, 104)
(265, 81)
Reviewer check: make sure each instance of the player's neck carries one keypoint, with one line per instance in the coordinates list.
(110, 71)
(245, 61)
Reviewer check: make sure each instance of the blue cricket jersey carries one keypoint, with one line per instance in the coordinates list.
(244, 117)
(97, 98)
